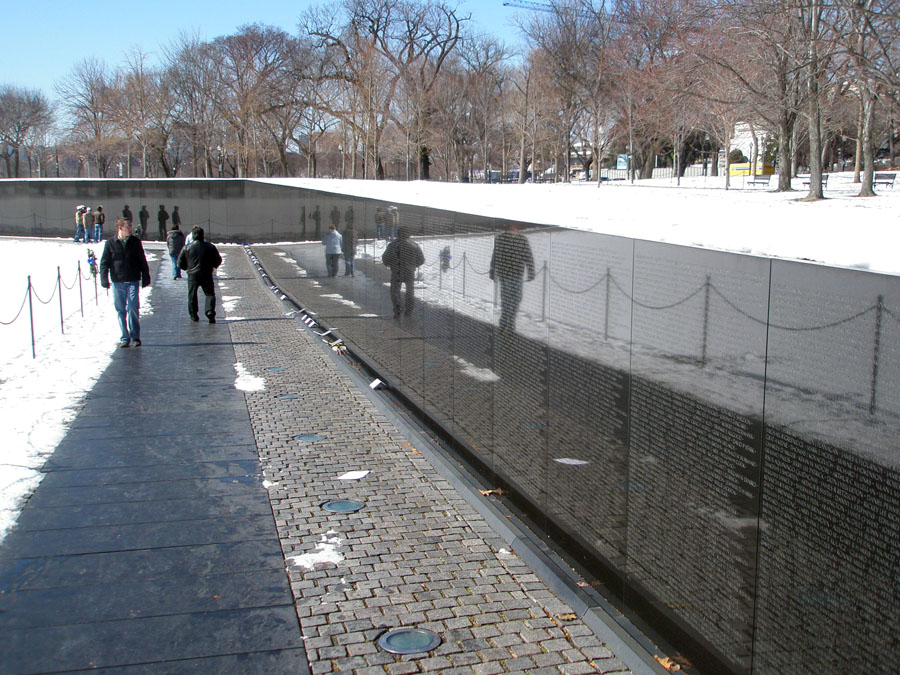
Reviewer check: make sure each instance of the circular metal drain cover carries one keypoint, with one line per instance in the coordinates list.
(342, 505)
(308, 437)
(409, 641)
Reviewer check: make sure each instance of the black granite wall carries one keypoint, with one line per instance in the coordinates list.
(719, 429)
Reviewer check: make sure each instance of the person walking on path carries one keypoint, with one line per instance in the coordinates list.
(143, 219)
(403, 256)
(88, 219)
(199, 260)
(348, 246)
(99, 222)
(124, 264)
(162, 218)
(175, 242)
(511, 256)
(79, 223)
(332, 241)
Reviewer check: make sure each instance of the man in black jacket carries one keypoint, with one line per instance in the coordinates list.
(124, 263)
(199, 259)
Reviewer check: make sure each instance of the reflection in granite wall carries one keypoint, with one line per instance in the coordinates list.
(721, 430)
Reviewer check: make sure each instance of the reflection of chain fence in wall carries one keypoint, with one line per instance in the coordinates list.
(59, 286)
(603, 305)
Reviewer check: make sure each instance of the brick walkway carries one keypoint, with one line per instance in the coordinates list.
(416, 555)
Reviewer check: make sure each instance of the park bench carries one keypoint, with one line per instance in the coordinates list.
(805, 180)
(886, 179)
(758, 180)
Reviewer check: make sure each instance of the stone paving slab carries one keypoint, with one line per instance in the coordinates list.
(417, 554)
(150, 546)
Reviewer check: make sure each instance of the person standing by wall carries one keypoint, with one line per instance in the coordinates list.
(162, 217)
(403, 256)
(511, 256)
(348, 246)
(88, 219)
(79, 223)
(175, 242)
(332, 241)
(176, 217)
(124, 265)
(199, 260)
(127, 215)
(99, 222)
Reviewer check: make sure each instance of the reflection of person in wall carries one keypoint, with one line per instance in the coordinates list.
(143, 219)
(163, 218)
(316, 217)
(333, 243)
(403, 256)
(511, 257)
(380, 218)
(348, 247)
(393, 222)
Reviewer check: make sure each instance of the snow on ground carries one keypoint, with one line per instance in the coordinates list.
(40, 396)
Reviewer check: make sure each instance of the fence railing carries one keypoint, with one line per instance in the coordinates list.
(58, 287)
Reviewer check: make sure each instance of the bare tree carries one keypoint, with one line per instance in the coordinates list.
(23, 113)
(252, 66)
(85, 98)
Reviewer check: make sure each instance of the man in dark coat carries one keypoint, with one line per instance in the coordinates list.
(403, 256)
(124, 264)
(175, 242)
(199, 259)
(512, 255)
(162, 218)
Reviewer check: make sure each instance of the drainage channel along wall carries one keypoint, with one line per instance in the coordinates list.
(717, 432)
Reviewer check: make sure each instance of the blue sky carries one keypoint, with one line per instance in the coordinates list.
(43, 41)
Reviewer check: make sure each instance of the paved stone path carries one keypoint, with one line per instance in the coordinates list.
(150, 545)
(416, 555)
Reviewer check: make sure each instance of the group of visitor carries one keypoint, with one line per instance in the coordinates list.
(89, 224)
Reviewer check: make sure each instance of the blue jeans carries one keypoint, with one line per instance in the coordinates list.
(175, 271)
(79, 233)
(98, 233)
(127, 301)
(348, 265)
